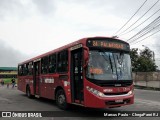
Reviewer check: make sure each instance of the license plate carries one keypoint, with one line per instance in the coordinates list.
(118, 101)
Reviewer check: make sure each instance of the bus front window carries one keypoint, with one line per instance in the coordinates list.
(109, 65)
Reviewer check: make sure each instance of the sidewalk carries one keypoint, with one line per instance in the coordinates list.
(146, 88)
(8, 87)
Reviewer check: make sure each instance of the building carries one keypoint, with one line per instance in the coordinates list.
(8, 72)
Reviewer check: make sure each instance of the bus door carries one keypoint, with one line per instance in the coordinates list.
(77, 76)
(36, 77)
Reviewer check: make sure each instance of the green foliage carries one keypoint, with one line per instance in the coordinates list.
(8, 80)
(134, 59)
(142, 61)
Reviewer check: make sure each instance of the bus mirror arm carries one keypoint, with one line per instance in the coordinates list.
(86, 58)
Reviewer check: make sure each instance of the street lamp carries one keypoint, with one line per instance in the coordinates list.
(152, 52)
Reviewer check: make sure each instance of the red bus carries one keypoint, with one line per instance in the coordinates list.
(92, 72)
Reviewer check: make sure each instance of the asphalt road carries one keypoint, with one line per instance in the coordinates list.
(14, 100)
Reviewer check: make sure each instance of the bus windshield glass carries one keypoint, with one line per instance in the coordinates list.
(105, 65)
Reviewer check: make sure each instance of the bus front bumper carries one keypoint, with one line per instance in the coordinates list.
(94, 101)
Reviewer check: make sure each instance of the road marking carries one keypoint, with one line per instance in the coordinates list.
(4, 99)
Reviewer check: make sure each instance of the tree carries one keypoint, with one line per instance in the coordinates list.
(142, 61)
(134, 59)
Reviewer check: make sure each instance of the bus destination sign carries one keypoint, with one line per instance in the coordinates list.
(108, 44)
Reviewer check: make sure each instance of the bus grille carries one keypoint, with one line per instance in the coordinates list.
(126, 101)
(115, 85)
(121, 93)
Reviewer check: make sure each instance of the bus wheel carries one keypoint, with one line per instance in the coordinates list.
(61, 99)
(28, 93)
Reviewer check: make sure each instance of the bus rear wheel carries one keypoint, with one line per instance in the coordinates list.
(61, 99)
(28, 92)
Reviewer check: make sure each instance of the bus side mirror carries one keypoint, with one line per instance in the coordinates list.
(86, 56)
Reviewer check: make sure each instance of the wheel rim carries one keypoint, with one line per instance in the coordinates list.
(28, 92)
(61, 99)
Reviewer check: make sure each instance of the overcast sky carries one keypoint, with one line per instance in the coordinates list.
(32, 27)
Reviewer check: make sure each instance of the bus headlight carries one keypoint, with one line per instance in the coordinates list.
(130, 92)
(95, 92)
(100, 94)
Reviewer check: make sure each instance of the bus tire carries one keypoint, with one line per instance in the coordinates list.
(28, 92)
(61, 99)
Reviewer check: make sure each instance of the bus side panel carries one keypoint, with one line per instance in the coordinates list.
(21, 84)
(49, 90)
(29, 81)
(42, 87)
(47, 86)
(23, 81)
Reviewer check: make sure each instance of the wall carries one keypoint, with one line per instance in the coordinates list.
(147, 79)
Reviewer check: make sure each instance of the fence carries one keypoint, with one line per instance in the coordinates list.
(147, 79)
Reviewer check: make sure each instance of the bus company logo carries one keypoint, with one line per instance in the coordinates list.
(126, 89)
(108, 90)
(6, 114)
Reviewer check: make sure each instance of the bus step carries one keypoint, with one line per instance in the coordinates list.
(77, 104)
(37, 96)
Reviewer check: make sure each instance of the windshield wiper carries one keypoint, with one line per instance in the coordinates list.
(120, 58)
(106, 59)
(111, 62)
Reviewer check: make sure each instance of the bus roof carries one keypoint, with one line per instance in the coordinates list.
(82, 41)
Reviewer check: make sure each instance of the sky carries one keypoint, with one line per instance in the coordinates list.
(32, 27)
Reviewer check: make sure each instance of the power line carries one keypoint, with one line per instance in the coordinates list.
(146, 32)
(141, 23)
(132, 16)
(152, 24)
(147, 37)
(140, 17)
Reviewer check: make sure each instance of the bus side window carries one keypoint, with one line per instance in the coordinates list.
(44, 65)
(62, 61)
(20, 70)
(25, 69)
(30, 68)
(52, 63)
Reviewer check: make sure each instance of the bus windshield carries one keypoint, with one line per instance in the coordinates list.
(106, 65)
